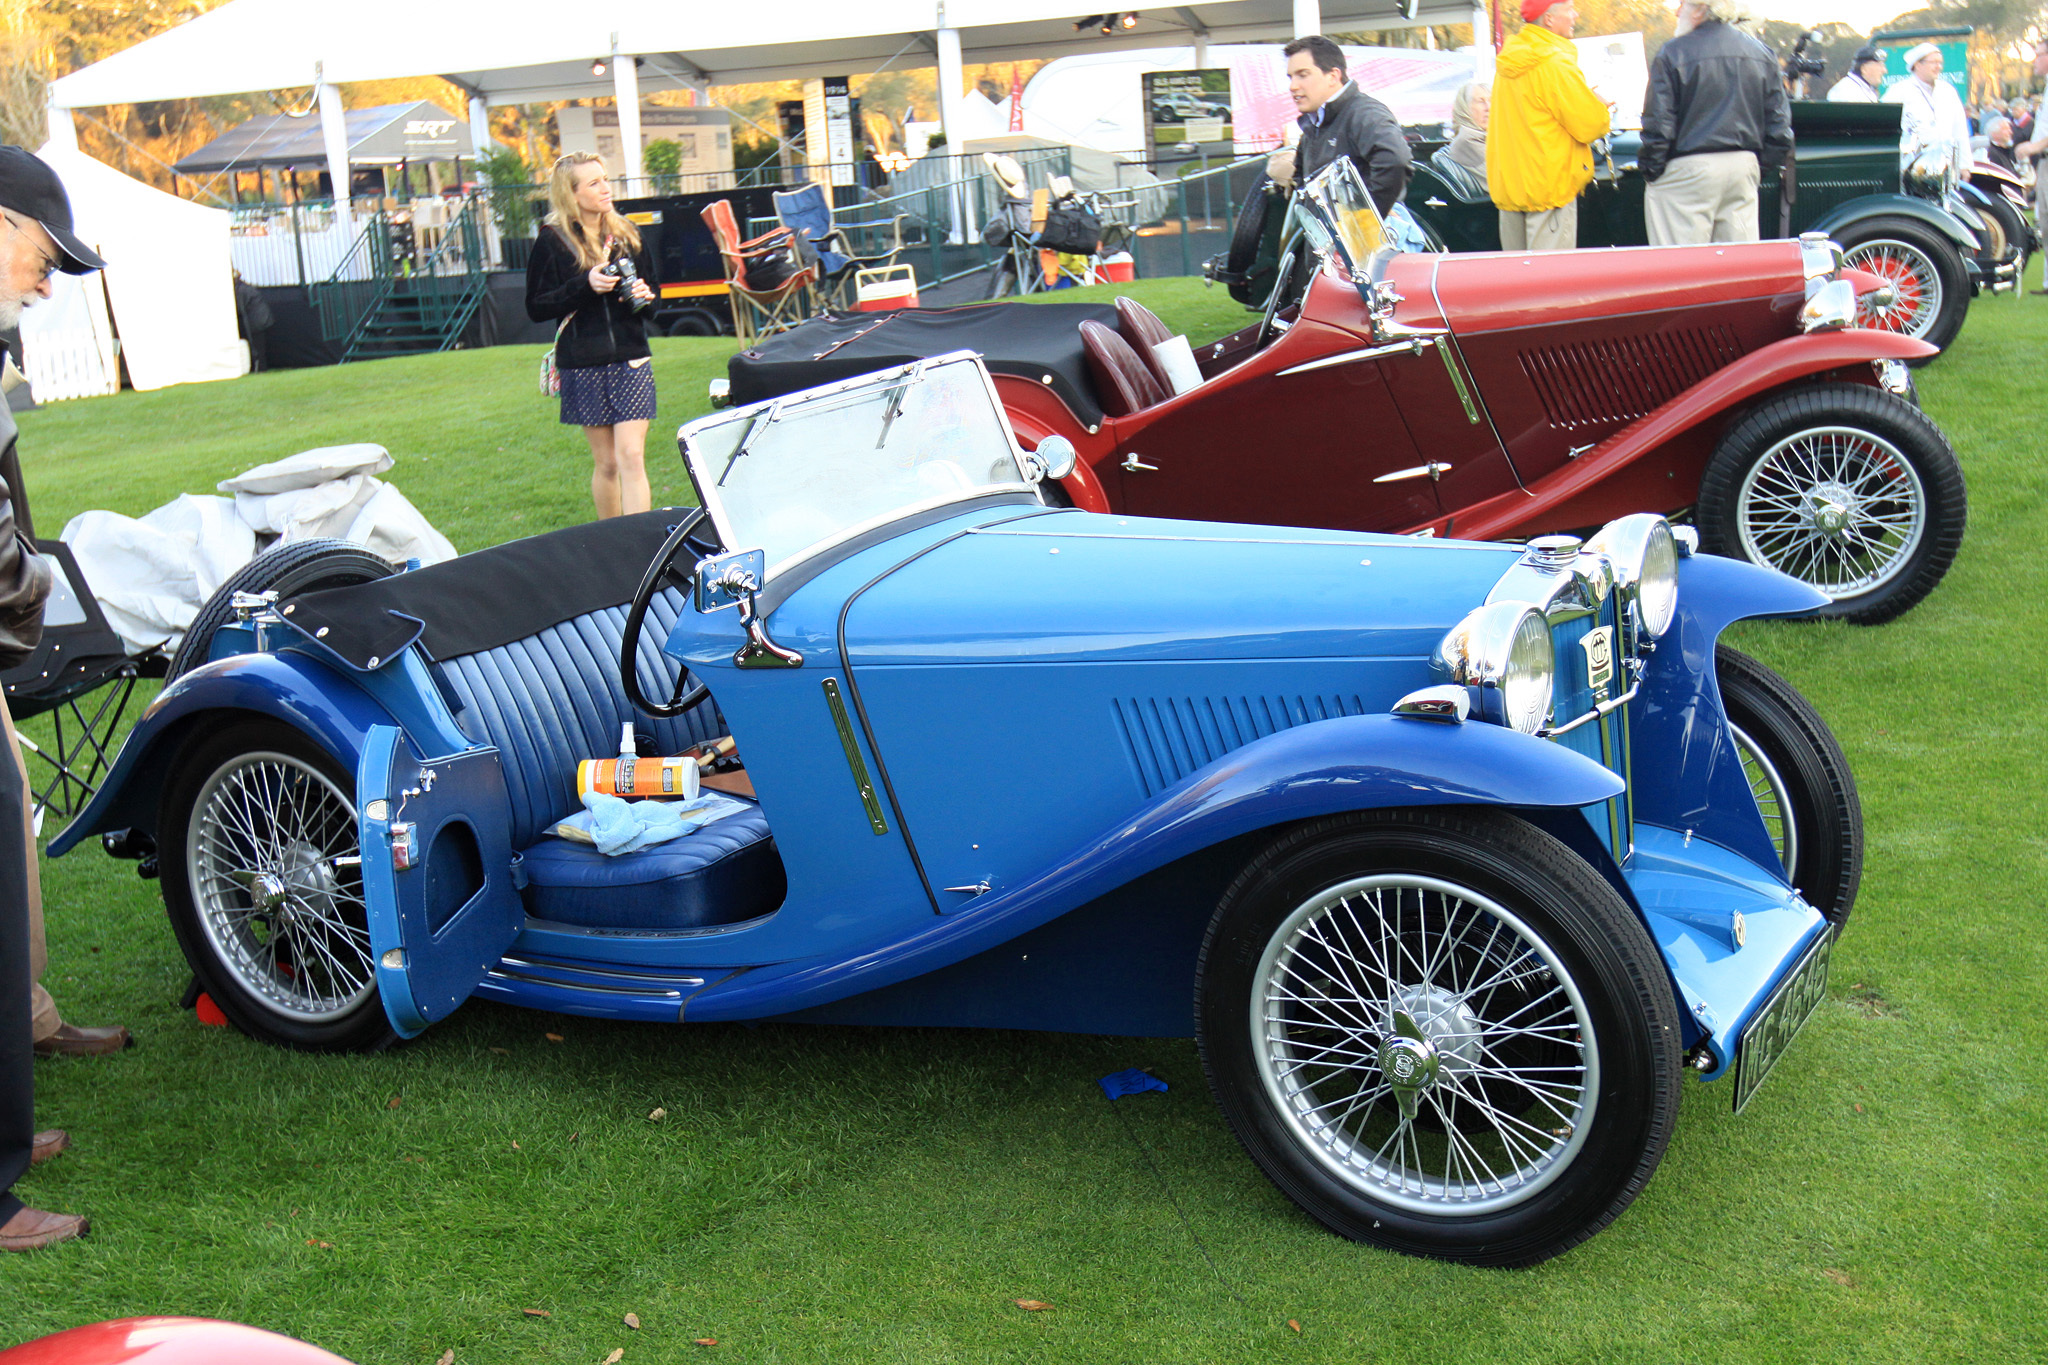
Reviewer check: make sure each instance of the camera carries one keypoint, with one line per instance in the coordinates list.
(624, 271)
(1798, 64)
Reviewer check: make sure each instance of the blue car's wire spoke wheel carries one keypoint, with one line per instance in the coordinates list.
(262, 877)
(1485, 1096)
(1440, 1031)
(1773, 796)
(1845, 487)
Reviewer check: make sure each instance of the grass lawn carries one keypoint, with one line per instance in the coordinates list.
(820, 1194)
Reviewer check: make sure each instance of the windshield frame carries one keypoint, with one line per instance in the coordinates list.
(808, 401)
(1320, 199)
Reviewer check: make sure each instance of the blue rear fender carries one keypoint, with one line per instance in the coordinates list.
(1330, 767)
(318, 701)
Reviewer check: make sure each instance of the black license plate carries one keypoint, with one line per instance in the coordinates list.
(1781, 1018)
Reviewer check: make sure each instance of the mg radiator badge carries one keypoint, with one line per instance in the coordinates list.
(1599, 647)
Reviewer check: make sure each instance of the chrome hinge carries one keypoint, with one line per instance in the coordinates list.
(980, 888)
(1134, 464)
(1577, 451)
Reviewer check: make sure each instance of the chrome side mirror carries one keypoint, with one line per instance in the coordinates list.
(734, 580)
(1054, 459)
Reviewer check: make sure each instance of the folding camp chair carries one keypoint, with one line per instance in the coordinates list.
(756, 312)
(79, 655)
(808, 210)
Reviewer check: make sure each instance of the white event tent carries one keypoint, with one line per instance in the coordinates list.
(526, 51)
(167, 279)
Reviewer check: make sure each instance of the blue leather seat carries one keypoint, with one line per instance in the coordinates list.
(553, 699)
(726, 872)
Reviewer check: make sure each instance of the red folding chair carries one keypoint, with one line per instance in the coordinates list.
(757, 312)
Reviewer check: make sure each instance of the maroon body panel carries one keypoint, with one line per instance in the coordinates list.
(1598, 382)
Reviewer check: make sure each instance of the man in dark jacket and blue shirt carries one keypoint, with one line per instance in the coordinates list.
(1339, 119)
(1716, 111)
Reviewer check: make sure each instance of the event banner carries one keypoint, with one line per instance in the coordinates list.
(1955, 55)
(1187, 113)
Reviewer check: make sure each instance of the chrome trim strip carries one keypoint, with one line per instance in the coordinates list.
(1551, 732)
(1494, 546)
(861, 781)
(505, 974)
(547, 965)
(1451, 339)
(1369, 353)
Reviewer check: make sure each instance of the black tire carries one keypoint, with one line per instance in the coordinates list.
(2012, 233)
(693, 322)
(1843, 486)
(1920, 262)
(302, 566)
(1282, 982)
(1801, 780)
(272, 810)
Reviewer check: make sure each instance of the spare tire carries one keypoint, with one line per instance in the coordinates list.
(287, 570)
(1246, 269)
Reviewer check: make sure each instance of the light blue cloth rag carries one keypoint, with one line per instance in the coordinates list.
(621, 826)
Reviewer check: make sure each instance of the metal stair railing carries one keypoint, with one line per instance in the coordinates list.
(425, 306)
(358, 285)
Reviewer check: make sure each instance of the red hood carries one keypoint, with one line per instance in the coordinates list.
(1496, 291)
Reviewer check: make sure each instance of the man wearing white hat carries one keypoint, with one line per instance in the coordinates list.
(1932, 113)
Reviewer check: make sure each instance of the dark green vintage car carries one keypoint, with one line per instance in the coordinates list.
(1936, 251)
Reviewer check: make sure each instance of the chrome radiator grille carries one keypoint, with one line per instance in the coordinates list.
(1604, 740)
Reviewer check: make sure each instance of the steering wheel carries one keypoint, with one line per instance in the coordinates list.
(1280, 279)
(684, 535)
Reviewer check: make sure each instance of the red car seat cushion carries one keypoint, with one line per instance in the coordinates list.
(1141, 327)
(1124, 383)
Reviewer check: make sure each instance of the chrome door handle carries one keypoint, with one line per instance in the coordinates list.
(1134, 464)
(1436, 469)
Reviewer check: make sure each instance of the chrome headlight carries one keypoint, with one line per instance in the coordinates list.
(1645, 558)
(1501, 655)
(1832, 307)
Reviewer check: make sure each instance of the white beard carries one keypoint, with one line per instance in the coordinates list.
(1685, 22)
(10, 313)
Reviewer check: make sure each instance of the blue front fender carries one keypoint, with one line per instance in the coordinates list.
(293, 688)
(1898, 206)
(1352, 763)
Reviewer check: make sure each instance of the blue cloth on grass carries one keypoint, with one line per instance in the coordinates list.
(621, 826)
(1132, 1082)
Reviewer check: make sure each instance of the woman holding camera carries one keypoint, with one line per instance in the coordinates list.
(589, 269)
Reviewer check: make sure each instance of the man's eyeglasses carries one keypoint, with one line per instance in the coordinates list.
(50, 263)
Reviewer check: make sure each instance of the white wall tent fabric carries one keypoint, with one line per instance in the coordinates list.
(168, 282)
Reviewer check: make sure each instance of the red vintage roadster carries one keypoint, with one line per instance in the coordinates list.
(1484, 396)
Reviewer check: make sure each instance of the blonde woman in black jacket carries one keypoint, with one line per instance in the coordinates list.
(607, 371)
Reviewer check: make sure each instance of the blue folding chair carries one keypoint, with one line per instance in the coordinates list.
(808, 210)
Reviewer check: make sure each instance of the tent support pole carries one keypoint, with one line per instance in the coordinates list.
(626, 94)
(334, 132)
(1308, 17)
(63, 130)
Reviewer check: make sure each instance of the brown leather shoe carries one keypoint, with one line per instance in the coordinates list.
(72, 1041)
(48, 1145)
(32, 1230)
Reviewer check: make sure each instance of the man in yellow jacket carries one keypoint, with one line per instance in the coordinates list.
(1545, 119)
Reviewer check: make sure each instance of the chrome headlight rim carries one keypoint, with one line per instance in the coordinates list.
(1502, 655)
(1644, 553)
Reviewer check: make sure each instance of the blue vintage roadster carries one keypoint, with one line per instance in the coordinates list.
(1453, 856)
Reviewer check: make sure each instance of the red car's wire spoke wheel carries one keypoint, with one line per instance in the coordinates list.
(1835, 507)
(1916, 287)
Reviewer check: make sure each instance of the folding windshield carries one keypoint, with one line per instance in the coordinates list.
(1341, 222)
(803, 472)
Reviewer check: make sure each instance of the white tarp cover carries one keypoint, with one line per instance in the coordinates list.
(151, 574)
(167, 277)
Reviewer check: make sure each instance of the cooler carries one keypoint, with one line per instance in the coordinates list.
(889, 286)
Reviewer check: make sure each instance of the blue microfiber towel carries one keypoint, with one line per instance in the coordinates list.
(619, 826)
(1132, 1082)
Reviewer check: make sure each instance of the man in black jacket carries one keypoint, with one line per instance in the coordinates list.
(1716, 109)
(1339, 119)
(35, 241)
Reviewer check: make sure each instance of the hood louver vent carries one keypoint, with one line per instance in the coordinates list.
(1170, 737)
(1600, 383)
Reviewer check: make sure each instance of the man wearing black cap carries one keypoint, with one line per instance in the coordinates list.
(35, 242)
(1865, 81)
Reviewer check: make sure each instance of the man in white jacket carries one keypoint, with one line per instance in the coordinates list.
(1860, 85)
(1932, 114)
